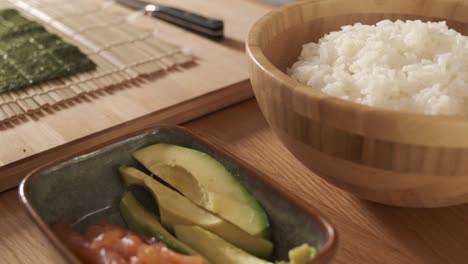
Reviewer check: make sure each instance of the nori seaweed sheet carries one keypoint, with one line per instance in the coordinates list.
(29, 54)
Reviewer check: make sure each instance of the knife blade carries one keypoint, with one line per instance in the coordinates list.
(208, 27)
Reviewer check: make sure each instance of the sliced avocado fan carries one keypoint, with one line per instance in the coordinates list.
(176, 209)
(207, 183)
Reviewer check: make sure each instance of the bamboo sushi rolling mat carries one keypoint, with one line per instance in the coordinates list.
(121, 51)
(216, 78)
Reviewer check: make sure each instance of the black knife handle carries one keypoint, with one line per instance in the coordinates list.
(208, 27)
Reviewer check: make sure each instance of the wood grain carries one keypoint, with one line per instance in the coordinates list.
(11, 174)
(219, 66)
(392, 157)
(369, 233)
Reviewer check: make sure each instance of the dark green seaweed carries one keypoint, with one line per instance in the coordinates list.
(29, 54)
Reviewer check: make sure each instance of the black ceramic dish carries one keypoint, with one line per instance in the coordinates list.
(67, 190)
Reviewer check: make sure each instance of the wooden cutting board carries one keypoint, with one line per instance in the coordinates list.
(218, 79)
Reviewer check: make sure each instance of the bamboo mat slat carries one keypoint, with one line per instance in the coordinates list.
(122, 51)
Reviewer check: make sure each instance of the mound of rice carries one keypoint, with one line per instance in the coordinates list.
(412, 65)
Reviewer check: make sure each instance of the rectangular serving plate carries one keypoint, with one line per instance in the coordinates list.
(66, 190)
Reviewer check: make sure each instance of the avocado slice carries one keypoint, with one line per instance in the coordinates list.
(218, 250)
(207, 183)
(132, 175)
(143, 222)
(213, 247)
(302, 254)
(175, 209)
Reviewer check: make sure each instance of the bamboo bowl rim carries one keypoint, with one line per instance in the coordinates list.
(255, 52)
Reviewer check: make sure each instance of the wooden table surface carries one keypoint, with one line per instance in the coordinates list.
(369, 233)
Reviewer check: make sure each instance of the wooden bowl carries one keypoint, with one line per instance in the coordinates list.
(391, 157)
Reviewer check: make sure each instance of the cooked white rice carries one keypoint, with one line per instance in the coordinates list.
(412, 65)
